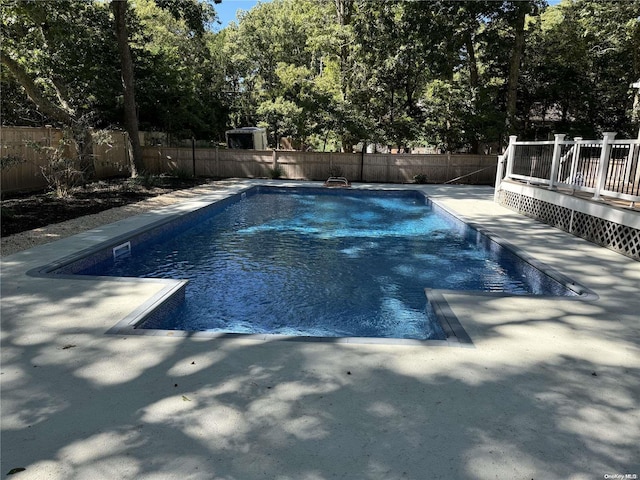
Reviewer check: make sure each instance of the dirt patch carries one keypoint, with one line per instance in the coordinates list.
(35, 210)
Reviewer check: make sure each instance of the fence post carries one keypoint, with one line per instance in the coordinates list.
(603, 164)
(274, 156)
(217, 163)
(193, 154)
(555, 161)
(511, 150)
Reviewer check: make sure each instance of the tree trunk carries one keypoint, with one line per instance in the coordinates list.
(83, 139)
(119, 8)
(473, 82)
(344, 10)
(473, 66)
(514, 65)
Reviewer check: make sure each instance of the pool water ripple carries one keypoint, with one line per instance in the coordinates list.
(319, 265)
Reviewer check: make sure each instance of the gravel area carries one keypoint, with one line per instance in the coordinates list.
(25, 240)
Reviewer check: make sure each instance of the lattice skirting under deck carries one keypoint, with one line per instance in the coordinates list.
(620, 238)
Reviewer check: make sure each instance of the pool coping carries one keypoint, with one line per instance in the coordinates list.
(173, 289)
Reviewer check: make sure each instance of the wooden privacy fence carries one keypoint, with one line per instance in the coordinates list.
(17, 143)
(376, 167)
(112, 160)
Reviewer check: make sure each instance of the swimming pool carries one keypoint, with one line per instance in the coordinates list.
(317, 263)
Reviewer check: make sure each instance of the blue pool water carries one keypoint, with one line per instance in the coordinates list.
(324, 265)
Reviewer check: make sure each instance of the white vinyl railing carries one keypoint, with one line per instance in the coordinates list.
(606, 167)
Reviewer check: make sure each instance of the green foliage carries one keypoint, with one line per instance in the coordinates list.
(195, 15)
(9, 161)
(330, 73)
(181, 173)
(447, 108)
(282, 116)
(66, 49)
(146, 180)
(62, 170)
(582, 57)
(179, 82)
(277, 58)
(276, 172)
(420, 178)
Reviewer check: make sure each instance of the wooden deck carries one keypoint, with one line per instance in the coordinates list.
(615, 202)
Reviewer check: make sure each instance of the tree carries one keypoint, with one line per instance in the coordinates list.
(119, 8)
(328, 72)
(195, 14)
(176, 85)
(48, 48)
(520, 11)
(66, 58)
(427, 72)
(394, 62)
(279, 54)
(577, 71)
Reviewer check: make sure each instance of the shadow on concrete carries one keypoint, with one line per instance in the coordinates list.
(181, 408)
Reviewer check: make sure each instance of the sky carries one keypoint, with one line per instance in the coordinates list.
(227, 10)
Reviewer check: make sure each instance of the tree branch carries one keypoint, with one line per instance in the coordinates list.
(33, 92)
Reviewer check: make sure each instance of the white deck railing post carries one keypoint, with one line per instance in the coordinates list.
(636, 159)
(628, 163)
(603, 164)
(499, 173)
(573, 171)
(500, 170)
(511, 150)
(555, 161)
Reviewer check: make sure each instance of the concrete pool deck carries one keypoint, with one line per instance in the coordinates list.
(550, 390)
